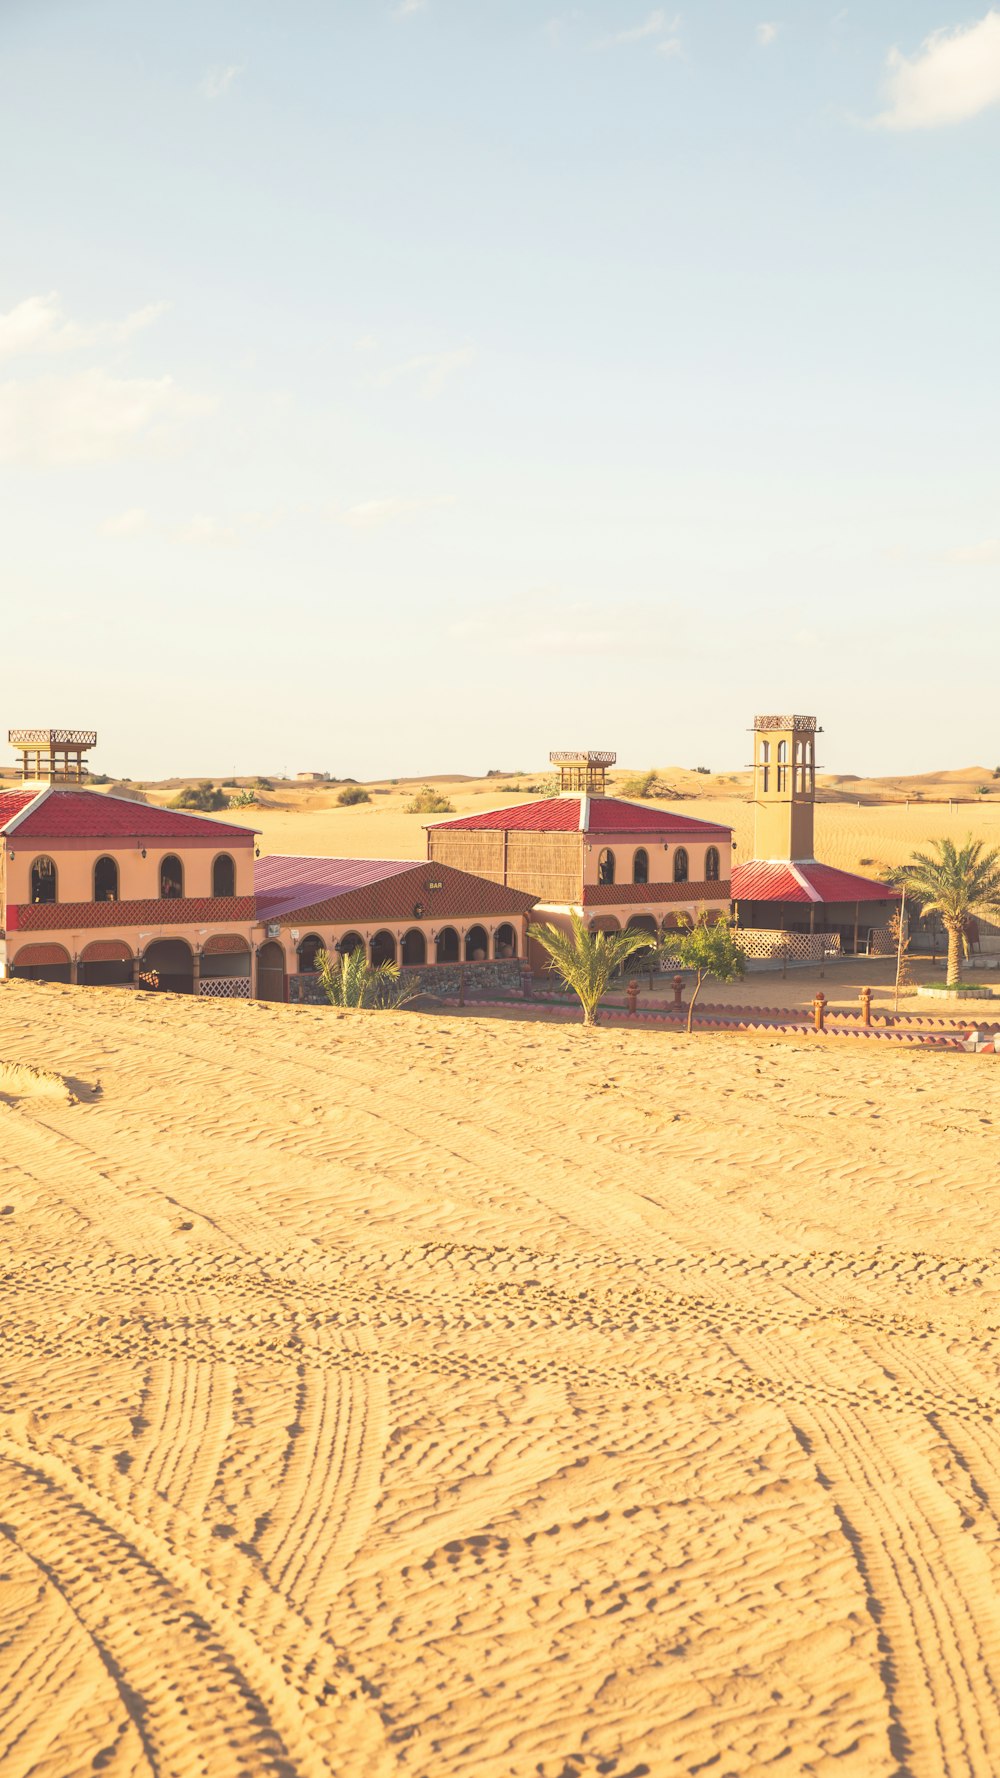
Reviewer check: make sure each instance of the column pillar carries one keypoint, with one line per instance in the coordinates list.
(196, 971)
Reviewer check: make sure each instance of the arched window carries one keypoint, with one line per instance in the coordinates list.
(477, 945)
(505, 942)
(765, 756)
(414, 950)
(680, 865)
(43, 880)
(171, 878)
(447, 945)
(606, 867)
(782, 764)
(712, 865)
(106, 880)
(309, 949)
(223, 875)
(383, 949)
(351, 941)
(640, 866)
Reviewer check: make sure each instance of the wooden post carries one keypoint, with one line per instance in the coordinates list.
(819, 1010)
(857, 922)
(632, 995)
(678, 986)
(866, 1007)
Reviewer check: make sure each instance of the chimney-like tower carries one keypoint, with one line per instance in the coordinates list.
(582, 773)
(784, 786)
(53, 755)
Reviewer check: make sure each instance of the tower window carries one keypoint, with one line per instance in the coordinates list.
(223, 875)
(171, 878)
(712, 865)
(106, 880)
(606, 867)
(782, 765)
(43, 880)
(680, 865)
(640, 866)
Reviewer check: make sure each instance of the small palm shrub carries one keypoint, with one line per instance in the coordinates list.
(587, 960)
(348, 979)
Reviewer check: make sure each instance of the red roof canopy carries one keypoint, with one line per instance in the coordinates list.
(86, 814)
(12, 802)
(774, 879)
(326, 891)
(604, 814)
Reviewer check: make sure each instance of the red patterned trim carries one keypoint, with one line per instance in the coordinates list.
(217, 910)
(612, 894)
(225, 944)
(106, 950)
(30, 956)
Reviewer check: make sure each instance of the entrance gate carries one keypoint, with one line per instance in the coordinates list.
(270, 972)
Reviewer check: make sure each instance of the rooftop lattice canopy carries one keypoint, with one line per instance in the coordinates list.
(582, 771)
(53, 755)
(808, 723)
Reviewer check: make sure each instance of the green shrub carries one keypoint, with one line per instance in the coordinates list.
(201, 796)
(353, 794)
(429, 802)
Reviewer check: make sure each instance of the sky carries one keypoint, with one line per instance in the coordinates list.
(390, 389)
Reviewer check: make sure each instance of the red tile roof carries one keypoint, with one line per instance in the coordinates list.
(606, 814)
(86, 814)
(345, 891)
(12, 802)
(776, 880)
(70, 916)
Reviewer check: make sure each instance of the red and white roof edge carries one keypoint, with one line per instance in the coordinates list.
(85, 790)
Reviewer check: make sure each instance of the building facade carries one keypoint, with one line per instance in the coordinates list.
(615, 863)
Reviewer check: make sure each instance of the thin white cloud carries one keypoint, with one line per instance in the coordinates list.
(767, 31)
(656, 24)
(90, 417)
(207, 533)
(407, 8)
(218, 81)
(976, 555)
(668, 46)
(431, 370)
(39, 327)
(126, 524)
(954, 76)
(369, 514)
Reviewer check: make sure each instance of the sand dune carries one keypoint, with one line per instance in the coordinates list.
(387, 1394)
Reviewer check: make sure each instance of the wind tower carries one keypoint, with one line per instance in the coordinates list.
(582, 773)
(53, 755)
(784, 786)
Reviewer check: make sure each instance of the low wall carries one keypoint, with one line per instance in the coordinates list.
(500, 977)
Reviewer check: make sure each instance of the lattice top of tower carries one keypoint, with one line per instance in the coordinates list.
(583, 771)
(53, 755)
(808, 723)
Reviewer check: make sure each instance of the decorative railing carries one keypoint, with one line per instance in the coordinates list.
(52, 737)
(799, 722)
(761, 944)
(225, 987)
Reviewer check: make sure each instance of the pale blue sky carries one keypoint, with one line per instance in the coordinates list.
(401, 389)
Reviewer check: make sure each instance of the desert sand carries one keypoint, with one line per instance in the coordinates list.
(394, 1394)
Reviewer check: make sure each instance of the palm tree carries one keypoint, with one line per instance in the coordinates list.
(955, 884)
(348, 979)
(587, 960)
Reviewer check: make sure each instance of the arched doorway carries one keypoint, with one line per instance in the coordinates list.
(351, 941)
(447, 945)
(105, 963)
(477, 945)
(309, 950)
(271, 971)
(41, 963)
(505, 941)
(173, 964)
(414, 949)
(383, 949)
